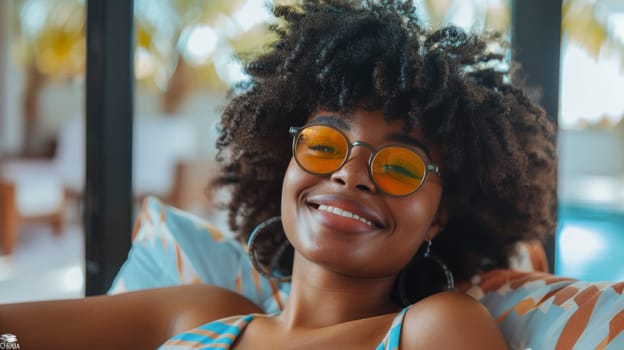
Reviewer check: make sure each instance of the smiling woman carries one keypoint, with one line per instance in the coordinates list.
(371, 163)
(405, 142)
(336, 63)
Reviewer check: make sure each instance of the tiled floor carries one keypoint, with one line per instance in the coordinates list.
(43, 266)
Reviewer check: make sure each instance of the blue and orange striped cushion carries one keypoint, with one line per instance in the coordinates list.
(534, 310)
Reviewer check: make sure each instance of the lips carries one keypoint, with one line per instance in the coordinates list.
(346, 208)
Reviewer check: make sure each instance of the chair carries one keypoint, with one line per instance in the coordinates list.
(39, 190)
(534, 309)
(30, 190)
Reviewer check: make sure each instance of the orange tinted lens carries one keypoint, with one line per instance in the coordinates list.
(321, 149)
(398, 170)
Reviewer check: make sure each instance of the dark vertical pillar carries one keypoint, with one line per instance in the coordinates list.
(109, 105)
(536, 44)
(5, 37)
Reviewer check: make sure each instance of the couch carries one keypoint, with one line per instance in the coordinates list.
(199, 263)
(534, 309)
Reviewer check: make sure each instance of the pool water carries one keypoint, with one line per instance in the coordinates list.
(590, 243)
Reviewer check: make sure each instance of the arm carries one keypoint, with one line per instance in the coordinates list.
(136, 320)
(450, 320)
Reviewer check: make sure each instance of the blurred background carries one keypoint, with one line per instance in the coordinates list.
(187, 54)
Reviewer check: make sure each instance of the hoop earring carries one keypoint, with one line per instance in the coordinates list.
(450, 281)
(251, 245)
(448, 275)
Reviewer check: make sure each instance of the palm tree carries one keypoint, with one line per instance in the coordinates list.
(589, 24)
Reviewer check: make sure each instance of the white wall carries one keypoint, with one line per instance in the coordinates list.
(591, 167)
(60, 101)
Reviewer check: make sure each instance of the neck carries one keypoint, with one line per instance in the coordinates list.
(320, 297)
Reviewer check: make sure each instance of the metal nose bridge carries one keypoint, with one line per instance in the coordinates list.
(362, 143)
(354, 144)
(372, 150)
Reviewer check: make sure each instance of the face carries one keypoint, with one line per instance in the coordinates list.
(342, 222)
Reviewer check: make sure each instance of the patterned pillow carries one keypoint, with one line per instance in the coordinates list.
(172, 247)
(535, 310)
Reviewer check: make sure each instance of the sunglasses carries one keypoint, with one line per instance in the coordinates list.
(395, 169)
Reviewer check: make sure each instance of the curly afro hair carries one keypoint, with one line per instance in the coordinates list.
(499, 157)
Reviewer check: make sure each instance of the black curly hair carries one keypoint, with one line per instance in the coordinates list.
(499, 157)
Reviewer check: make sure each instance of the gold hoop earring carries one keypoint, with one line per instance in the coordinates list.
(448, 275)
(251, 244)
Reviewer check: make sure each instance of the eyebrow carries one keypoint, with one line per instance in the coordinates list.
(340, 123)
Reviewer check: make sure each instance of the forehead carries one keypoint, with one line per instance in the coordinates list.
(360, 117)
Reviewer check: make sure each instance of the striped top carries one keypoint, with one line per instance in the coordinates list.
(223, 334)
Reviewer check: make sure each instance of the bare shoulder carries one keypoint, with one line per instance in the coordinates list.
(194, 305)
(450, 320)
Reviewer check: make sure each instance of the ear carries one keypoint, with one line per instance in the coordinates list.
(438, 224)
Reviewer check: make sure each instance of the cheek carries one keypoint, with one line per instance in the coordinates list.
(289, 181)
(287, 196)
(295, 181)
(416, 218)
(414, 222)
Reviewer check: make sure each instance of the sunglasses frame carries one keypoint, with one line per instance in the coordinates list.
(295, 132)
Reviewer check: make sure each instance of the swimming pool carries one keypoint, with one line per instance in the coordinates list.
(589, 243)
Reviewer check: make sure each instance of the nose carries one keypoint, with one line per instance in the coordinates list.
(354, 173)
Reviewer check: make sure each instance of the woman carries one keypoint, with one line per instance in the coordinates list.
(361, 139)
(373, 163)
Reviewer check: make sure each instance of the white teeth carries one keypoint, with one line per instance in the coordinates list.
(347, 214)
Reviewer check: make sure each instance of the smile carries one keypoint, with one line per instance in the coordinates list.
(346, 214)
